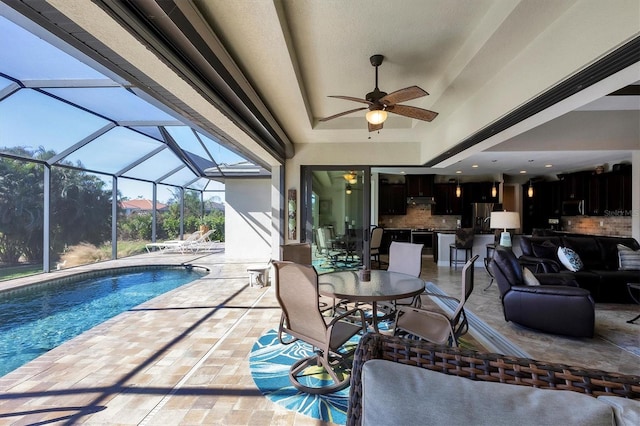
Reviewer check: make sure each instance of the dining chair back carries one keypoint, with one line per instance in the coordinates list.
(405, 258)
(296, 252)
(375, 243)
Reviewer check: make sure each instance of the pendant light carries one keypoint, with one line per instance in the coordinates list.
(530, 190)
(458, 190)
(494, 191)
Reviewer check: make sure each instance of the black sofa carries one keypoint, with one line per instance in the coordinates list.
(599, 254)
(556, 306)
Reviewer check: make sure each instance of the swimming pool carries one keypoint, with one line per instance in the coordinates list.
(38, 318)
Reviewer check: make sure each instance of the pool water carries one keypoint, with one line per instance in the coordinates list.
(37, 319)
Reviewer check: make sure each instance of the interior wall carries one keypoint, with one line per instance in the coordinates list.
(248, 223)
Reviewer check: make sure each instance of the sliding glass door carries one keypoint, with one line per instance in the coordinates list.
(336, 216)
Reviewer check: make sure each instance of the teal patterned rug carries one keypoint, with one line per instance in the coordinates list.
(270, 362)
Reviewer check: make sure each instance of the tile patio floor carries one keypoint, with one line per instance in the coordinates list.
(182, 358)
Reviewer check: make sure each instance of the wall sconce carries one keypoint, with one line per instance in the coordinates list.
(494, 191)
(348, 190)
(458, 190)
(530, 190)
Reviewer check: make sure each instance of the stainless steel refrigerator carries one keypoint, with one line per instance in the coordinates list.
(481, 214)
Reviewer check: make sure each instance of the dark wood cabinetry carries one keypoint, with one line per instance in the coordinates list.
(389, 235)
(595, 201)
(575, 185)
(392, 199)
(604, 194)
(618, 193)
(478, 192)
(419, 185)
(447, 203)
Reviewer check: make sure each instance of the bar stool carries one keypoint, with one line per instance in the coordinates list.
(463, 241)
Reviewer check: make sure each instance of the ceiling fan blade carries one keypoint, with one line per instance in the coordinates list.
(374, 127)
(412, 112)
(350, 98)
(341, 114)
(403, 95)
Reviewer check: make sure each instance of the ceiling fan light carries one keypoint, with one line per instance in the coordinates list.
(377, 116)
(351, 178)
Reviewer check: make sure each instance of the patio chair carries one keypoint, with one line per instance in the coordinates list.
(406, 258)
(324, 247)
(376, 242)
(174, 245)
(203, 242)
(296, 289)
(435, 326)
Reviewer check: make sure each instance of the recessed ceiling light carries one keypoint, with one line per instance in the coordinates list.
(458, 171)
(522, 172)
(475, 166)
(548, 165)
(403, 172)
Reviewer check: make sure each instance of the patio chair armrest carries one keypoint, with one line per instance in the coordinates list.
(348, 313)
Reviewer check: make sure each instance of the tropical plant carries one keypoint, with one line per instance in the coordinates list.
(80, 207)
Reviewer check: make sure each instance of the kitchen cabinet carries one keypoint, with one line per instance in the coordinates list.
(478, 192)
(618, 193)
(392, 199)
(596, 198)
(446, 201)
(419, 185)
(574, 185)
(397, 234)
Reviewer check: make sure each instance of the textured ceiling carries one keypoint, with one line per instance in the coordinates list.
(296, 53)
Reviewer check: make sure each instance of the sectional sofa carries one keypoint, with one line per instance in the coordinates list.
(601, 272)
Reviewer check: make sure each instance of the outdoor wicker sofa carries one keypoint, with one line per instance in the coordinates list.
(419, 399)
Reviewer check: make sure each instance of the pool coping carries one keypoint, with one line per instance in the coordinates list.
(82, 275)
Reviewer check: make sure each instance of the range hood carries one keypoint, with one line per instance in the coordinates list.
(420, 201)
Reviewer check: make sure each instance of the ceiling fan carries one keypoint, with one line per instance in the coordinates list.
(380, 103)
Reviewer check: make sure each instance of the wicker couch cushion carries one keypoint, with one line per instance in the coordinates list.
(399, 394)
(626, 411)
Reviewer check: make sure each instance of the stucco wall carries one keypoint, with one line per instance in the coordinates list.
(248, 219)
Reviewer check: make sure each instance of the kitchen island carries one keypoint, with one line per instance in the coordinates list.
(480, 241)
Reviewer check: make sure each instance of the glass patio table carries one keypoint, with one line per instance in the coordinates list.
(382, 286)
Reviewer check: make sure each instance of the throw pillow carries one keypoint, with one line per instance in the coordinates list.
(629, 258)
(529, 278)
(569, 259)
(546, 250)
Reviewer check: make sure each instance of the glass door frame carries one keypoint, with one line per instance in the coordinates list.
(306, 212)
